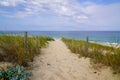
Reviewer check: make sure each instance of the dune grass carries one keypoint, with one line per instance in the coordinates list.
(14, 49)
(107, 55)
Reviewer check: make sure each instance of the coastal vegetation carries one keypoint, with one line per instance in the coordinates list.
(107, 55)
(15, 72)
(14, 49)
(19, 51)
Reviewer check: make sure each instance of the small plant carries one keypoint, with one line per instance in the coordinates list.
(14, 73)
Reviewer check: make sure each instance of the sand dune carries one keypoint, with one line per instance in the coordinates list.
(56, 62)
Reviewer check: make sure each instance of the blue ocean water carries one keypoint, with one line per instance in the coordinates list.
(95, 36)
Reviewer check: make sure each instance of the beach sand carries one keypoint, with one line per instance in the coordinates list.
(56, 62)
(4, 65)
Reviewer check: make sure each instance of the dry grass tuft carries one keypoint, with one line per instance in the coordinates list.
(103, 54)
(13, 48)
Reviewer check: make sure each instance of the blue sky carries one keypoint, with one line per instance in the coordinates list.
(59, 15)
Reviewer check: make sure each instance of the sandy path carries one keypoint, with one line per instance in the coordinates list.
(56, 62)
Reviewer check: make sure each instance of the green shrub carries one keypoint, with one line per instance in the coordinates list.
(14, 73)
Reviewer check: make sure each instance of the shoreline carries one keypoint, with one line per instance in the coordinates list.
(116, 45)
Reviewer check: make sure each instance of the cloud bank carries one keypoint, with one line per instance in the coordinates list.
(66, 8)
(86, 13)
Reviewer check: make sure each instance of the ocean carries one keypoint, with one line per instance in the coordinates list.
(94, 36)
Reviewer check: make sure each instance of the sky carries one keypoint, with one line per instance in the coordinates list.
(59, 15)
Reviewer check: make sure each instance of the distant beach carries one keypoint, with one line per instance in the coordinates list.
(105, 37)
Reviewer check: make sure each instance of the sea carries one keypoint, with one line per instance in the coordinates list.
(94, 36)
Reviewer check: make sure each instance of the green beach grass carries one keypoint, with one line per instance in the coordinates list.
(107, 55)
(13, 48)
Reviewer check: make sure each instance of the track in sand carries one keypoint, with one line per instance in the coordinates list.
(56, 62)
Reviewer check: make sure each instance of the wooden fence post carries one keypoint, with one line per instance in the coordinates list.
(87, 46)
(25, 39)
(37, 42)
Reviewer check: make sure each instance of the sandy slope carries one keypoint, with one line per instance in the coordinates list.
(56, 62)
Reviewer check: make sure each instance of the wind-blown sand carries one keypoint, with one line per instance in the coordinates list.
(56, 62)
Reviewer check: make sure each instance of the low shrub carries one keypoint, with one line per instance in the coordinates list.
(15, 72)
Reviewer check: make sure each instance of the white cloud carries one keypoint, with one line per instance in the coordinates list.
(4, 3)
(104, 15)
(10, 2)
(69, 11)
(68, 8)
